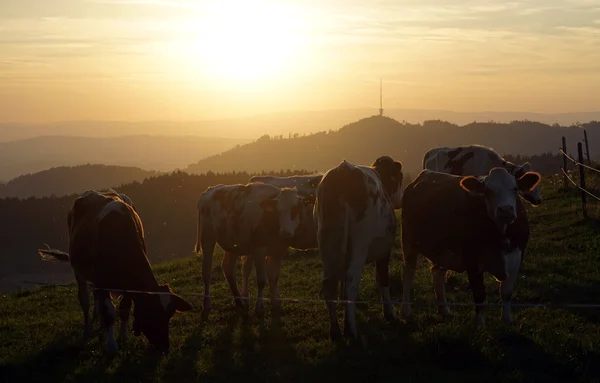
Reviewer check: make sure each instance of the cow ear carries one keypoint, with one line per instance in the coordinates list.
(528, 181)
(180, 304)
(270, 204)
(472, 184)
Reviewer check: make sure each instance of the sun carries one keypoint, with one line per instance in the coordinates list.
(244, 41)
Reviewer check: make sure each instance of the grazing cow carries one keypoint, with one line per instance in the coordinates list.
(476, 160)
(245, 220)
(305, 237)
(356, 223)
(472, 224)
(107, 248)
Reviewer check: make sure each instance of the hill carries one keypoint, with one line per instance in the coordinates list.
(160, 153)
(365, 140)
(41, 329)
(278, 123)
(65, 180)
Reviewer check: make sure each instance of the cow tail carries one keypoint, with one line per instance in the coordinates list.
(53, 255)
(198, 247)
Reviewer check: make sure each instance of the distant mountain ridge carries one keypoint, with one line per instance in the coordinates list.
(278, 123)
(365, 140)
(160, 153)
(66, 180)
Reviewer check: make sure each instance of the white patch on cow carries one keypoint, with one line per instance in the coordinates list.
(513, 264)
(502, 202)
(165, 300)
(111, 341)
(286, 203)
(113, 206)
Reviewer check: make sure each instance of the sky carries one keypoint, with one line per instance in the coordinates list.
(145, 60)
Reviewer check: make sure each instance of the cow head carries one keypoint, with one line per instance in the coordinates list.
(533, 196)
(500, 191)
(287, 208)
(390, 173)
(152, 313)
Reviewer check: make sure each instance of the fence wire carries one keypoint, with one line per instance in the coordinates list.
(360, 302)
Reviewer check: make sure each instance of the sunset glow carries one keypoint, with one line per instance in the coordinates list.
(199, 59)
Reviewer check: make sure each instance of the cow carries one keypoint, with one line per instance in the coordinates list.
(305, 237)
(466, 223)
(356, 224)
(476, 160)
(245, 220)
(108, 249)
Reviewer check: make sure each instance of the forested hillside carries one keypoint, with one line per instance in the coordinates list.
(66, 180)
(369, 138)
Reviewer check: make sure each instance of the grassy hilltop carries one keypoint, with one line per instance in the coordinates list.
(40, 329)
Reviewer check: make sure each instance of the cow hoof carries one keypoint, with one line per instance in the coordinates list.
(112, 347)
(335, 334)
(445, 313)
(205, 314)
(507, 320)
(390, 315)
(350, 334)
(259, 310)
(480, 321)
(406, 312)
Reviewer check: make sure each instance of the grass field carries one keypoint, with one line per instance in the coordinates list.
(40, 329)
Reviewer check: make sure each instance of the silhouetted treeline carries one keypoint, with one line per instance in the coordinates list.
(66, 180)
(545, 164)
(365, 140)
(166, 203)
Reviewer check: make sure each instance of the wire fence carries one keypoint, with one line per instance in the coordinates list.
(358, 302)
(583, 177)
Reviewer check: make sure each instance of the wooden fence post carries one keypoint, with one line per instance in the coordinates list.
(564, 148)
(582, 179)
(587, 148)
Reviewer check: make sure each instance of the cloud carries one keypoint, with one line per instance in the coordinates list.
(159, 3)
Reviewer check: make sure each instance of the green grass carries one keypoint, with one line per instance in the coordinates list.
(40, 329)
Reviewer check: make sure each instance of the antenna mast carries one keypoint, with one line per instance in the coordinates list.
(380, 98)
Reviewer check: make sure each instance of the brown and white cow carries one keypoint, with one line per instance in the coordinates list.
(108, 249)
(305, 237)
(472, 224)
(251, 220)
(356, 223)
(476, 160)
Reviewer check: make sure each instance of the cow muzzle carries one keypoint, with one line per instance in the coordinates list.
(506, 214)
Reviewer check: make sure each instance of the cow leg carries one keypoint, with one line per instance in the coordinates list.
(352, 279)
(261, 281)
(408, 277)
(247, 264)
(84, 301)
(124, 311)
(208, 243)
(329, 290)
(382, 278)
(228, 265)
(478, 289)
(438, 276)
(273, 271)
(513, 264)
(108, 316)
